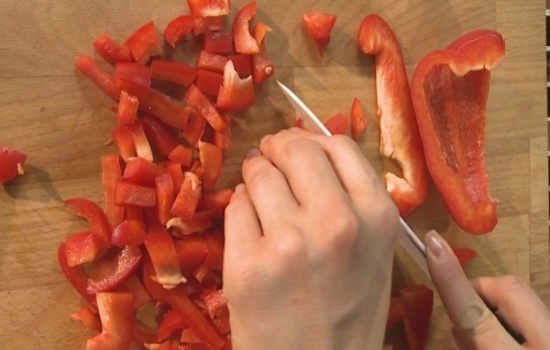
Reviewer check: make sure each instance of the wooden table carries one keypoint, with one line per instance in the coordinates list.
(60, 120)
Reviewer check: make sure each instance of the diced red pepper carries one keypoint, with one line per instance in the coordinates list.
(211, 61)
(464, 255)
(140, 171)
(143, 148)
(171, 322)
(182, 155)
(98, 76)
(197, 169)
(176, 172)
(83, 247)
(111, 174)
(209, 82)
(178, 28)
(117, 322)
(197, 100)
(134, 77)
(134, 214)
(188, 197)
(244, 42)
(242, 64)
(235, 93)
(418, 301)
(262, 65)
(75, 275)
(152, 220)
(207, 24)
(164, 187)
(397, 311)
(162, 252)
(124, 141)
(87, 317)
(189, 337)
(108, 274)
(319, 25)
(214, 258)
(159, 293)
(223, 139)
(140, 295)
(140, 337)
(449, 90)
(218, 42)
(201, 221)
(216, 303)
(129, 233)
(205, 276)
(159, 134)
(358, 119)
(191, 250)
(144, 43)
(216, 201)
(139, 196)
(94, 215)
(195, 128)
(127, 108)
(211, 160)
(12, 164)
(222, 326)
(209, 8)
(110, 51)
(174, 72)
(337, 124)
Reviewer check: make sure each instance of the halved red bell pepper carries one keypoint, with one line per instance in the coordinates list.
(111, 51)
(211, 61)
(201, 221)
(399, 137)
(164, 187)
(139, 196)
(117, 322)
(208, 8)
(207, 24)
(358, 119)
(182, 155)
(172, 71)
(87, 317)
(191, 250)
(75, 275)
(450, 89)
(189, 337)
(171, 322)
(127, 108)
(418, 300)
(141, 143)
(134, 77)
(222, 140)
(140, 171)
(212, 160)
(244, 42)
(209, 82)
(214, 258)
(128, 233)
(188, 197)
(176, 172)
(108, 274)
(216, 201)
(195, 128)
(11, 164)
(94, 215)
(218, 42)
(159, 134)
(235, 93)
(337, 124)
(178, 28)
(319, 25)
(144, 43)
(83, 247)
(140, 295)
(197, 100)
(262, 65)
(464, 255)
(162, 252)
(98, 76)
(124, 141)
(242, 64)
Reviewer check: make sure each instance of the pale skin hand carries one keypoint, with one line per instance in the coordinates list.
(310, 240)
(475, 327)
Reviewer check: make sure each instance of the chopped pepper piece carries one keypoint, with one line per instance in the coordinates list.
(159, 134)
(262, 65)
(110, 51)
(178, 28)
(162, 252)
(98, 76)
(197, 100)
(209, 8)
(172, 71)
(94, 215)
(235, 93)
(140, 171)
(244, 42)
(11, 164)
(108, 274)
(144, 43)
(319, 25)
(188, 197)
(337, 124)
(129, 233)
(211, 160)
(358, 119)
(83, 247)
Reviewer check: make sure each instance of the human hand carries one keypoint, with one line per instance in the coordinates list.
(310, 239)
(475, 326)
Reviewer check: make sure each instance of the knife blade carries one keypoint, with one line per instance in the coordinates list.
(406, 237)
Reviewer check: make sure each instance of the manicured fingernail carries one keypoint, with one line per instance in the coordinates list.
(437, 245)
(265, 138)
(253, 153)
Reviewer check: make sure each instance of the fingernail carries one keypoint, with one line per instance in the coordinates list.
(437, 245)
(265, 138)
(253, 153)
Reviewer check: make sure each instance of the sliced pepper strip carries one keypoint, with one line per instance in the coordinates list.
(450, 89)
(164, 186)
(262, 65)
(111, 173)
(108, 274)
(87, 317)
(143, 148)
(127, 108)
(75, 275)
(188, 197)
(172, 71)
(94, 215)
(124, 141)
(212, 160)
(159, 134)
(399, 136)
(244, 42)
(197, 100)
(139, 196)
(178, 28)
(83, 247)
(110, 51)
(162, 252)
(358, 119)
(171, 322)
(98, 76)
(144, 43)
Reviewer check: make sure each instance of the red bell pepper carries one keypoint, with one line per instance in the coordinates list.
(397, 311)
(242, 64)
(174, 72)
(124, 141)
(152, 220)
(117, 322)
(235, 93)
(75, 275)
(110, 51)
(176, 172)
(209, 8)
(134, 77)
(244, 42)
(108, 274)
(170, 323)
(201, 221)
(182, 155)
(111, 174)
(164, 187)
(418, 300)
(319, 25)
(207, 24)
(188, 197)
(205, 276)
(209, 82)
(142, 172)
(216, 303)
(222, 140)
(139, 196)
(87, 317)
(211, 160)
(127, 108)
(128, 233)
(358, 119)
(94, 215)
(143, 148)
(159, 293)
(337, 124)
(218, 42)
(191, 250)
(222, 326)
(144, 43)
(134, 214)
(140, 295)
(450, 89)
(464, 255)
(262, 65)
(159, 134)
(98, 76)
(83, 247)
(195, 128)
(216, 201)
(214, 258)
(162, 252)
(211, 61)
(142, 337)
(399, 137)
(11, 164)
(178, 28)
(189, 337)
(197, 169)
(197, 100)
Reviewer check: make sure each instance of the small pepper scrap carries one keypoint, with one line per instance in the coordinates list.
(450, 89)
(11, 164)
(399, 137)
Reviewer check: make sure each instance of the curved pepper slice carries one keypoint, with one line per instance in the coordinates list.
(244, 42)
(108, 274)
(94, 215)
(11, 164)
(449, 90)
(399, 137)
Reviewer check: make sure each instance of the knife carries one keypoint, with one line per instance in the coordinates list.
(412, 244)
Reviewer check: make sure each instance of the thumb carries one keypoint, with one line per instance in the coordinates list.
(473, 321)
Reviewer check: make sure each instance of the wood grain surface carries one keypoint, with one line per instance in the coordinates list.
(60, 119)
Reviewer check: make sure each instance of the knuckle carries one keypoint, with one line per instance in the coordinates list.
(300, 148)
(343, 231)
(289, 248)
(258, 172)
(341, 142)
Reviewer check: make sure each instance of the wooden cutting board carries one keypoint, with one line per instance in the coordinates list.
(61, 121)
